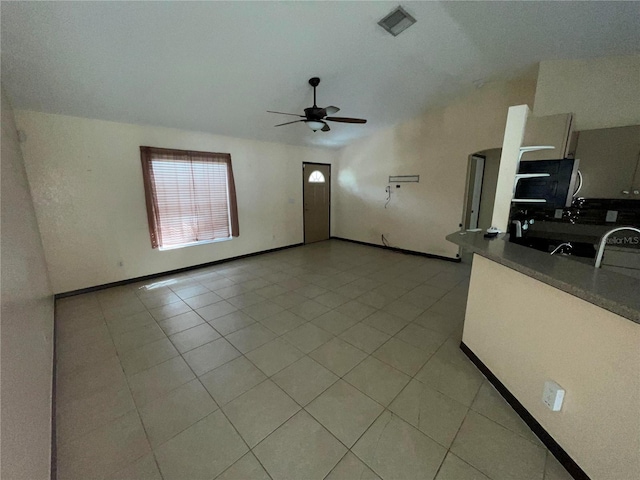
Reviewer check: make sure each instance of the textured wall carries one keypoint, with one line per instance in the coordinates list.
(602, 92)
(88, 193)
(27, 323)
(527, 332)
(435, 146)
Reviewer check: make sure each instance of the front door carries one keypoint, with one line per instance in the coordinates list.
(316, 199)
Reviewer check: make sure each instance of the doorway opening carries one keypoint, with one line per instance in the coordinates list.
(482, 180)
(316, 201)
(476, 174)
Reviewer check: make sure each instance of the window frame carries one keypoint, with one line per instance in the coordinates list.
(153, 213)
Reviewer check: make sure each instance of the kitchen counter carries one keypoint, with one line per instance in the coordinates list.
(611, 291)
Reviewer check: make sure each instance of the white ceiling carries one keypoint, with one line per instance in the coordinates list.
(218, 66)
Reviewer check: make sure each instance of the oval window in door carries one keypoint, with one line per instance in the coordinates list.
(316, 177)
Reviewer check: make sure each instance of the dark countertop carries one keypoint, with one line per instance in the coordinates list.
(612, 291)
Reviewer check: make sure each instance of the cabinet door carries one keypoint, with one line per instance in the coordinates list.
(552, 130)
(608, 160)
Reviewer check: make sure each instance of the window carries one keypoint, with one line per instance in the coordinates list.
(191, 197)
(316, 177)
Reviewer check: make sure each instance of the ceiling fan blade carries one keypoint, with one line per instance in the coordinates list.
(325, 128)
(331, 110)
(345, 119)
(282, 113)
(288, 123)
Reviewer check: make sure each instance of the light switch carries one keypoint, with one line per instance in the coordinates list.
(612, 216)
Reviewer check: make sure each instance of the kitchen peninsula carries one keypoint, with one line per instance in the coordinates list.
(532, 317)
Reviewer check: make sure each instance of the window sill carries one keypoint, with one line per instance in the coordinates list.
(193, 244)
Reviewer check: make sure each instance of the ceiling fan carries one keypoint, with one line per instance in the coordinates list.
(315, 117)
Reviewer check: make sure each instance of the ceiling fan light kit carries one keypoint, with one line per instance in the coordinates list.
(315, 117)
(314, 125)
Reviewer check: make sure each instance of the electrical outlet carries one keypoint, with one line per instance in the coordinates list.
(612, 216)
(553, 395)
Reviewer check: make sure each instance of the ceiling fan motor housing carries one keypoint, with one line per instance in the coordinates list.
(314, 113)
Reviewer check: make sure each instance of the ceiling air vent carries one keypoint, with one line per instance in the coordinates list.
(397, 21)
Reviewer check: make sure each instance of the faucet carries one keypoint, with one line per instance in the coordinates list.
(603, 242)
(522, 226)
(518, 225)
(566, 244)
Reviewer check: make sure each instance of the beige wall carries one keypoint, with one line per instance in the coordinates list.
(26, 323)
(87, 187)
(602, 92)
(527, 332)
(435, 146)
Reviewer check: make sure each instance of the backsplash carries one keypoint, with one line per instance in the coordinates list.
(582, 224)
(586, 211)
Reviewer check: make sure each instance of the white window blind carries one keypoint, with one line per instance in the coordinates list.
(190, 195)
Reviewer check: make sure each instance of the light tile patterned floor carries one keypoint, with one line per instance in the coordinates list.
(332, 360)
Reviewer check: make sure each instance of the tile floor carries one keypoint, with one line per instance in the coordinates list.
(328, 361)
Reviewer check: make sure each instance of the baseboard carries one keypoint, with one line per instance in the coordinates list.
(170, 272)
(554, 447)
(399, 250)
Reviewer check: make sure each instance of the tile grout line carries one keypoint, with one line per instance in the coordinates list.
(458, 431)
(144, 429)
(135, 403)
(243, 355)
(278, 386)
(392, 414)
(384, 408)
(181, 354)
(250, 449)
(211, 413)
(219, 407)
(136, 407)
